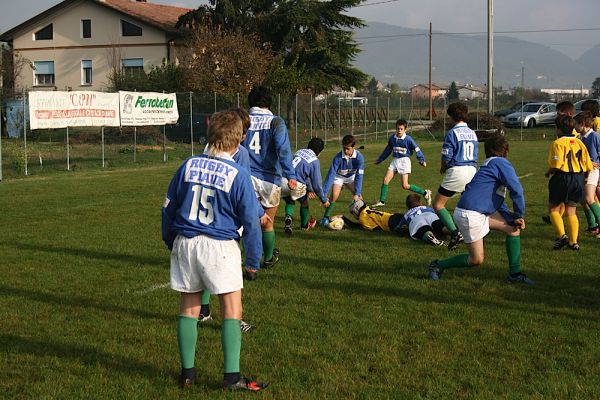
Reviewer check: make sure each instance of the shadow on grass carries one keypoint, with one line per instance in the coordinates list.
(70, 300)
(563, 295)
(91, 254)
(84, 354)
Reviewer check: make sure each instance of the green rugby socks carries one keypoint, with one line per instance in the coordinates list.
(187, 335)
(231, 342)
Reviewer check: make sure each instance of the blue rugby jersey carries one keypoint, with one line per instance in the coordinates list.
(487, 190)
(460, 146)
(242, 158)
(592, 143)
(400, 147)
(346, 167)
(212, 196)
(268, 146)
(308, 171)
(413, 212)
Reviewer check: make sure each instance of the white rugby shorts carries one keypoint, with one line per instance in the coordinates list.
(342, 180)
(295, 194)
(202, 262)
(592, 177)
(401, 165)
(472, 224)
(268, 193)
(456, 178)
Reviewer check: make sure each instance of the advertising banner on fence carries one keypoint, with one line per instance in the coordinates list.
(148, 108)
(55, 109)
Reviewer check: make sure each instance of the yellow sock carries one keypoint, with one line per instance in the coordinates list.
(557, 223)
(573, 227)
(561, 209)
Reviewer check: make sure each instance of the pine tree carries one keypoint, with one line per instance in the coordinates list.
(452, 92)
(596, 88)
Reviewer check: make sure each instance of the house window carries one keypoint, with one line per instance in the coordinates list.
(133, 66)
(45, 33)
(86, 72)
(86, 28)
(43, 73)
(129, 29)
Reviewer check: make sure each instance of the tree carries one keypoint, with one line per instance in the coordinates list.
(223, 62)
(596, 88)
(372, 86)
(452, 94)
(311, 40)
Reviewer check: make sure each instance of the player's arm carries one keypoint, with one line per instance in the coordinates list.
(420, 156)
(247, 213)
(447, 151)
(352, 224)
(386, 151)
(315, 181)
(282, 146)
(509, 179)
(169, 211)
(360, 172)
(331, 173)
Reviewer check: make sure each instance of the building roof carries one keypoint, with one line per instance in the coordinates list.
(160, 16)
(433, 86)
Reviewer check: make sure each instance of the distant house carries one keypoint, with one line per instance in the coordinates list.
(470, 92)
(579, 92)
(421, 91)
(77, 43)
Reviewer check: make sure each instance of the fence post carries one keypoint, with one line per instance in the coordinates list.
(311, 115)
(68, 152)
(191, 125)
(102, 133)
(325, 118)
(296, 120)
(0, 140)
(215, 97)
(238, 101)
(339, 118)
(387, 118)
(365, 122)
(352, 116)
(376, 115)
(135, 144)
(25, 130)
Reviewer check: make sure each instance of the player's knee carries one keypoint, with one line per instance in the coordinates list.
(406, 186)
(476, 260)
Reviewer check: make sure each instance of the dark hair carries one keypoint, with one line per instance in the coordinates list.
(413, 200)
(564, 125)
(496, 146)
(565, 107)
(458, 111)
(585, 118)
(316, 145)
(260, 96)
(592, 106)
(401, 122)
(348, 140)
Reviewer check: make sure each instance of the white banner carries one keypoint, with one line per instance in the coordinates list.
(148, 108)
(53, 109)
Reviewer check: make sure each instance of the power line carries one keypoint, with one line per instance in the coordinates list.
(377, 2)
(477, 33)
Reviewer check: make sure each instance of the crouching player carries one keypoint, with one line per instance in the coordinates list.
(208, 199)
(308, 171)
(347, 169)
(423, 223)
(482, 208)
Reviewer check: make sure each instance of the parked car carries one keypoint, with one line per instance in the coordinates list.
(501, 114)
(580, 102)
(532, 115)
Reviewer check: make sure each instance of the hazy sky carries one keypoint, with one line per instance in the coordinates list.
(445, 15)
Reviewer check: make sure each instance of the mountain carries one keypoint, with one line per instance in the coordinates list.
(396, 54)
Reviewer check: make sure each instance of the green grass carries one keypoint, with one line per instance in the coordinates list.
(344, 315)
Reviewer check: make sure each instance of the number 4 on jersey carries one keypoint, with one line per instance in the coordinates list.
(255, 142)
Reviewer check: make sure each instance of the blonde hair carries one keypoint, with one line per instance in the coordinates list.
(224, 132)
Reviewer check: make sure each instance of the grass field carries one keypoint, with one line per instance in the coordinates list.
(86, 312)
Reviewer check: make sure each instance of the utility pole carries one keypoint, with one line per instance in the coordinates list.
(490, 79)
(430, 99)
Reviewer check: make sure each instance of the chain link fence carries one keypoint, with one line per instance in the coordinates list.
(369, 118)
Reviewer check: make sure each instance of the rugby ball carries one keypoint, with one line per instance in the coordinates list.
(336, 223)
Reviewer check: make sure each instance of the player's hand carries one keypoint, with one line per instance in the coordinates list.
(547, 174)
(292, 183)
(376, 163)
(520, 223)
(326, 204)
(265, 219)
(356, 197)
(423, 164)
(312, 195)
